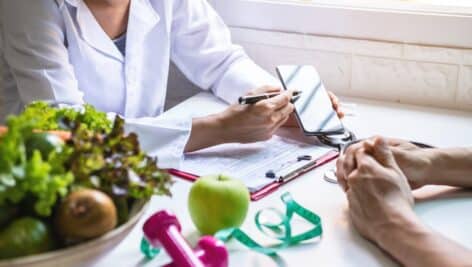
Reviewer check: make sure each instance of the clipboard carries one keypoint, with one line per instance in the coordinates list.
(298, 158)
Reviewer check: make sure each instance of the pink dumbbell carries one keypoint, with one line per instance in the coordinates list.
(163, 230)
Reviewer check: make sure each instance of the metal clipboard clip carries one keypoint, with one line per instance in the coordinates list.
(295, 168)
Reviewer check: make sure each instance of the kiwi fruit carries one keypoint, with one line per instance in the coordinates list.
(85, 214)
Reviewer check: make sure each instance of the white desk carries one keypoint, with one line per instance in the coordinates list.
(450, 214)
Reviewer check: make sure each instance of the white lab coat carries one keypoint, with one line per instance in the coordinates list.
(55, 50)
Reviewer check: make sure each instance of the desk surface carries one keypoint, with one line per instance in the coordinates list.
(446, 210)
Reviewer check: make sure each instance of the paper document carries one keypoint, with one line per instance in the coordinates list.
(251, 162)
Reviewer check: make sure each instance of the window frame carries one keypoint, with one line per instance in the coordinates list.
(414, 23)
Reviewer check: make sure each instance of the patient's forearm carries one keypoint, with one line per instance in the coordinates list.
(452, 166)
(414, 244)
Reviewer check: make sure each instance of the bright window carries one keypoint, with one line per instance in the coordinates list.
(440, 6)
(428, 22)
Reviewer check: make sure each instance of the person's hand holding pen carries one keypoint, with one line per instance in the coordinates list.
(292, 121)
(247, 123)
(243, 123)
(267, 92)
(258, 121)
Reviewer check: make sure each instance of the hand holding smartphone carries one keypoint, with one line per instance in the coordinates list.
(313, 108)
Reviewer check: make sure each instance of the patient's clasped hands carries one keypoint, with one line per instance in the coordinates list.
(378, 176)
(376, 187)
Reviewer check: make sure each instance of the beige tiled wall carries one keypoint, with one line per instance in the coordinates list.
(424, 75)
(464, 93)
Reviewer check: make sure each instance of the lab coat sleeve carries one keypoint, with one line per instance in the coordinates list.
(164, 136)
(34, 48)
(203, 51)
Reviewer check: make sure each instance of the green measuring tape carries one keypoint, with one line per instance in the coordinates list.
(280, 230)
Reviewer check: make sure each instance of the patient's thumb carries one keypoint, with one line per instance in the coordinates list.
(383, 154)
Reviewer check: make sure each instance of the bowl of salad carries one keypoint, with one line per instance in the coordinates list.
(72, 186)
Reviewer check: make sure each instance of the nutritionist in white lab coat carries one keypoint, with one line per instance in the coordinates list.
(115, 54)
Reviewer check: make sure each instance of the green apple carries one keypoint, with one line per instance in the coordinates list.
(217, 202)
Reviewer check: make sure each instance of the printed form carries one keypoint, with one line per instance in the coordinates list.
(251, 162)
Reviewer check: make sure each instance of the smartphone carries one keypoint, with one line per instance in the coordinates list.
(313, 107)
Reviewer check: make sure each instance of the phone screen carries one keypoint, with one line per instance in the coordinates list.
(313, 107)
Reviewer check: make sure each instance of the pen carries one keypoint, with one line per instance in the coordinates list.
(252, 99)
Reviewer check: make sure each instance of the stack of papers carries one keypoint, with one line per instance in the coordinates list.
(251, 162)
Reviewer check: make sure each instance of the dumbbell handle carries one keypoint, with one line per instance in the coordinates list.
(178, 249)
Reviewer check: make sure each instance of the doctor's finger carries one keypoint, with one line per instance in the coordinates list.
(283, 113)
(280, 123)
(334, 100)
(279, 101)
(336, 104)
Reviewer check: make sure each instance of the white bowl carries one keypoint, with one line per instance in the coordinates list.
(82, 254)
